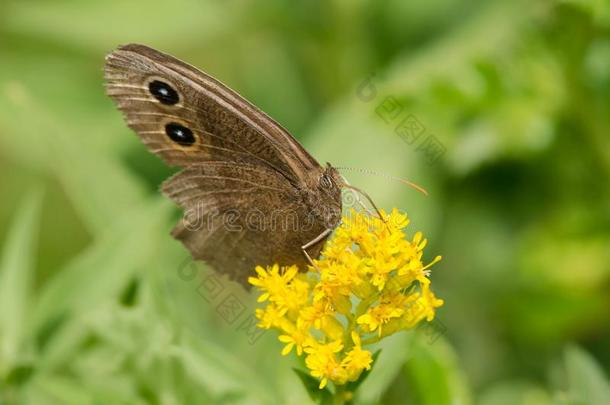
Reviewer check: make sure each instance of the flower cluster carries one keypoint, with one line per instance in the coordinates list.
(369, 283)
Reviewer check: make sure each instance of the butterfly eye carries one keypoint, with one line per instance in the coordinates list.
(326, 182)
(180, 134)
(163, 92)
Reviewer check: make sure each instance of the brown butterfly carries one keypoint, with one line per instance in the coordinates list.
(252, 194)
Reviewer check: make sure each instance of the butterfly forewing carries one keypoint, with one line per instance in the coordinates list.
(224, 125)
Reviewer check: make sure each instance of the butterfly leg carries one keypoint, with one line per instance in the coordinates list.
(313, 242)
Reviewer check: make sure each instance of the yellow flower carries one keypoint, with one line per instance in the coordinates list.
(272, 281)
(370, 282)
(322, 362)
(429, 300)
(331, 327)
(356, 360)
(269, 317)
(282, 286)
(381, 314)
(354, 229)
(297, 337)
(313, 314)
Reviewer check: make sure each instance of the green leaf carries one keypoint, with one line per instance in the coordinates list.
(219, 371)
(515, 392)
(396, 349)
(105, 269)
(16, 273)
(434, 376)
(20, 374)
(587, 383)
(62, 390)
(321, 396)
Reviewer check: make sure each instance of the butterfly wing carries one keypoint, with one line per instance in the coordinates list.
(237, 217)
(186, 117)
(244, 177)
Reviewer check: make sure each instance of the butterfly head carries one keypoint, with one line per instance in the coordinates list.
(330, 181)
(329, 187)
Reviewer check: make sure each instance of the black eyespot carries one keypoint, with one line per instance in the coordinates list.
(163, 92)
(180, 134)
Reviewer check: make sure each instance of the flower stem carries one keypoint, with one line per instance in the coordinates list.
(341, 395)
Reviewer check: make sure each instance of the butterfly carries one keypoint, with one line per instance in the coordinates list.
(251, 194)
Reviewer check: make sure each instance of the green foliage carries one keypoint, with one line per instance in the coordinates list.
(587, 383)
(95, 306)
(311, 385)
(16, 274)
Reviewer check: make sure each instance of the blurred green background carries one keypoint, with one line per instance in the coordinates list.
(98, 304)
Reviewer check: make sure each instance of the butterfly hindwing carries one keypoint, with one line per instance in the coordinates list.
(237, 218)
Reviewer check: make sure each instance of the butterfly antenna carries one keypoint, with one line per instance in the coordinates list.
(387, 176)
